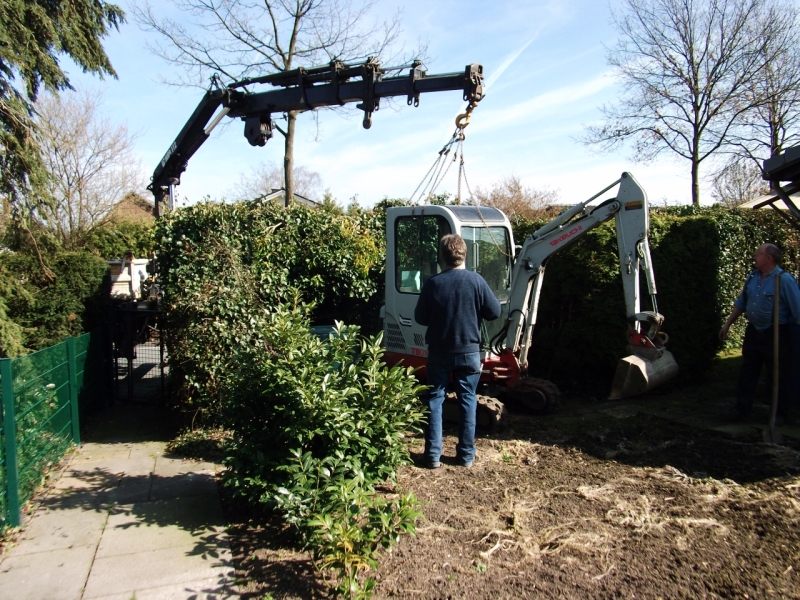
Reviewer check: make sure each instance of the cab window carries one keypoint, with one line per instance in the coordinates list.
(489, 253)
(417, 250)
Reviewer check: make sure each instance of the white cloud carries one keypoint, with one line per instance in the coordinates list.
(544, 105)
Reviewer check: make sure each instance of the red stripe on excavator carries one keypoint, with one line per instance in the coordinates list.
(502, 369)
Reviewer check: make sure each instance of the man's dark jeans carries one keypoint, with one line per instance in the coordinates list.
(466, 372)
(757, 352)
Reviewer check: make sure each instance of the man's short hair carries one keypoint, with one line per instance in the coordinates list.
(453, 250)
(774, 252)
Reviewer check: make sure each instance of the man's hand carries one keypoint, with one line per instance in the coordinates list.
(723, 333)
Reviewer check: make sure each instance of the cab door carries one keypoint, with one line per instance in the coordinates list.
(412, 256)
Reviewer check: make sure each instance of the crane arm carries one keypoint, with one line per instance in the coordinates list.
(630, 209)
(302, 89)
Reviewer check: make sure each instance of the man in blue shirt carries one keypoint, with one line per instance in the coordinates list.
(452, 304)
(757, 301)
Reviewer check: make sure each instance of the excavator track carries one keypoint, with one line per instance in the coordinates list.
(491, 417)
(537, 395)
(492, 414)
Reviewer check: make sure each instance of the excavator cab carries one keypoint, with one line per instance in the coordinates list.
(412, 242)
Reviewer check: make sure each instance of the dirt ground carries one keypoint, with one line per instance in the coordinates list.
(651, 498)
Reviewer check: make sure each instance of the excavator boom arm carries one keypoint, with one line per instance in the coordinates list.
(630, 210)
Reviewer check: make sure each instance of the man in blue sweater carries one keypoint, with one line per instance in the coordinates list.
(452, 304)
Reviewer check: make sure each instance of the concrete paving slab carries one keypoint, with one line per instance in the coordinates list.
(129, 491)
(56, 575)
(196, 524)
(206, 589)
(127, 573)
(151, 449)
(142, 465)
(189, 513)
(185, 485)
(91, 452)
(135, 490)
(94, 480)
(166, 466)
(56, 529)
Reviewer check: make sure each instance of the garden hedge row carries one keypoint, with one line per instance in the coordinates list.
(701, 256)
(224, 265)
(220, 262)
(39, 306)
(37, 311)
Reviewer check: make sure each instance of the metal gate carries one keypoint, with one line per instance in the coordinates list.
(140, 371)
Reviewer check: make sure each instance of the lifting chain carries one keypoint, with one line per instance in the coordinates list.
(441, 165)
(433, 178)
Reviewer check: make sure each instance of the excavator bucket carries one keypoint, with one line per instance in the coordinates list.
(643, 370)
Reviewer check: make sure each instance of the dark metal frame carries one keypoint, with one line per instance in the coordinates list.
(139, 370)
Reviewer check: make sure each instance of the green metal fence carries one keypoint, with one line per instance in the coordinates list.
(41, 395)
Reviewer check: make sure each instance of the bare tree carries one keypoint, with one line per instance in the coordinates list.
(236, 39)
(90, 164)
(514, 199)
(773, 121)
(739, 181)
(265, 177)
(687, 68)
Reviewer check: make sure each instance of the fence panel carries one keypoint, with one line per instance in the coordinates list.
(40, 398)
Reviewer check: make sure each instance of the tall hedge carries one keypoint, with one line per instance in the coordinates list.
(38, 310)
(223, 264)
(701, 256)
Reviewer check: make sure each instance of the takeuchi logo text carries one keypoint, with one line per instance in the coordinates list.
(569, 234)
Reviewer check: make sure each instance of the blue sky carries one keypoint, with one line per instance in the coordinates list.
(547, 73)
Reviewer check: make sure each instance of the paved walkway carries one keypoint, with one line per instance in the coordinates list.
(124, 521)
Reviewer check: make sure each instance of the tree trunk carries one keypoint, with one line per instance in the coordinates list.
(288, 157)
(695, 175)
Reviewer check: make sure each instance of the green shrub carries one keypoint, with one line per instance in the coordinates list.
(701, 256)
(223, 263)
(315, 425)
(294, 393)
(42, 310)
(114, 239)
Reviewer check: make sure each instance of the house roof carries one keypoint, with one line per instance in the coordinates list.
(280, 196)
(774, 201)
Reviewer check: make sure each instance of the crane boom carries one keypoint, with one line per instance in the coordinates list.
(301, 89)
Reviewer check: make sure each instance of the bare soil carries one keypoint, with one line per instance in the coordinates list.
(652, 498)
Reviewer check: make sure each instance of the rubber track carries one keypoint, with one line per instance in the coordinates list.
(492, 414)
(551, 391)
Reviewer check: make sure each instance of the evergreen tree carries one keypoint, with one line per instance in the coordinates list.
(33, 33)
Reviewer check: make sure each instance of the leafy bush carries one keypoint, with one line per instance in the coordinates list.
(701, 257)
(38, 310)
(223, 263)
(315, 425)
(114, 239)
(294, 393)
